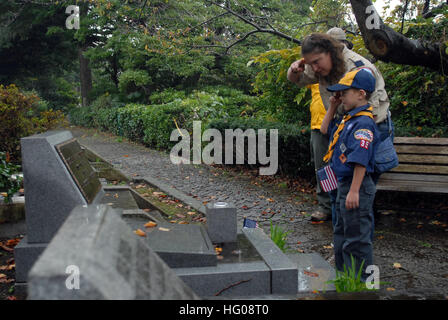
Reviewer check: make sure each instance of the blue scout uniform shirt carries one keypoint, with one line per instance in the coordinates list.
(356, 144)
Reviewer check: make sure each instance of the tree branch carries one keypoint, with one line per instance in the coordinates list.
(390, 46)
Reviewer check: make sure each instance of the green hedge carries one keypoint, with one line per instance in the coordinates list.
(150, 125)
(294, 158)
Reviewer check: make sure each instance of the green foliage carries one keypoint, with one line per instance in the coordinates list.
(7, 183)
(293, 143)
(417, 96)
(279, 236)
(280, 99)
(349, 280)
(15, 118)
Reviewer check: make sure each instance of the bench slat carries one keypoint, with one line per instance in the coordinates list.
(414, 149)
(412, 186)
(423, 141)
(421, 169)
(429, 159)
(414, 177)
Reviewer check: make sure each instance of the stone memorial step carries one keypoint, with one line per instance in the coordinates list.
(95, 255)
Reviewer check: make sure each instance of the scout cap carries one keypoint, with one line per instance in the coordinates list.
(358, 79)
(337, 33)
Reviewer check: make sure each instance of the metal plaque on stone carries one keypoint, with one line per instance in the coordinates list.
(81, 171)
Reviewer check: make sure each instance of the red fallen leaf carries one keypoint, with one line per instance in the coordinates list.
(126, 156)
(244, 207)
(12, 242)
(317, 222)
(311, 274)
(11, 298)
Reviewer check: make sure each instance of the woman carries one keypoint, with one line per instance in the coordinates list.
(325, 60)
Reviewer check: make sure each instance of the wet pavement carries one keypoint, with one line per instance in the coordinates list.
(410, 248)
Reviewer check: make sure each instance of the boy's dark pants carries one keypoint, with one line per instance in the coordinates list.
(352, 230)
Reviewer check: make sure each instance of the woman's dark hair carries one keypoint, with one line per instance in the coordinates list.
(324, 43)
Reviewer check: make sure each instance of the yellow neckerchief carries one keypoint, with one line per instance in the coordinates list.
(367, 112)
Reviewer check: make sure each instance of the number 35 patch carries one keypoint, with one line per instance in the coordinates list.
(364, 144)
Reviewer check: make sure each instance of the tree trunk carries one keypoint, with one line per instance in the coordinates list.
(390, 46)
(85, 77)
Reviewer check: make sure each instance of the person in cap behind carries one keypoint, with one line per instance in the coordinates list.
(351, 156)
(339, 35)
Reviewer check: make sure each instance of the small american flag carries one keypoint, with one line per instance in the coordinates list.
(327, 178)
(248, 223)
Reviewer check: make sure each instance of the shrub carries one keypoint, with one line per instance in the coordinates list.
(293, 143)
(82, 116)
(15, 118)
(7, 182)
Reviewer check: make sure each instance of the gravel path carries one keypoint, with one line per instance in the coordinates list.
(422, 254)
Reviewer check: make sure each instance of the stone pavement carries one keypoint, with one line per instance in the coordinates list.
(423, 255)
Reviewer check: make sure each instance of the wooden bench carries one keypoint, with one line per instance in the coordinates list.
(423, 166)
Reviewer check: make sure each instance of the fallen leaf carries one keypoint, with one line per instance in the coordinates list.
(317, 222)
(6, 248)
(180, 215)
(140, 233)
(173, 221)
(4, 280)
(164, 229)
(2, 275)
(402, 220)
(390, 289)
(301, 251)
(183, 222)
(270, 200)
(191, 213)
(380, 237)
(12, 242)
(328, 247)
(396, 265)
(244, 207)
(311, 274)
(147, 210)
(150, 224)
(126, 155)
(11, 298)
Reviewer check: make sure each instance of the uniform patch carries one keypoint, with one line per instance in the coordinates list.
(343, 158)
(364, 144)
(364, 134)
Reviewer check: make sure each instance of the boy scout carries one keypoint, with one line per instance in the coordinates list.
(351, 154)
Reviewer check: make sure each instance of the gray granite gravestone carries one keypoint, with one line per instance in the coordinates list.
(95, 255)
(57, 177)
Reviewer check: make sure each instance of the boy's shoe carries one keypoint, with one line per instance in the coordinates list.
(320, 216)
